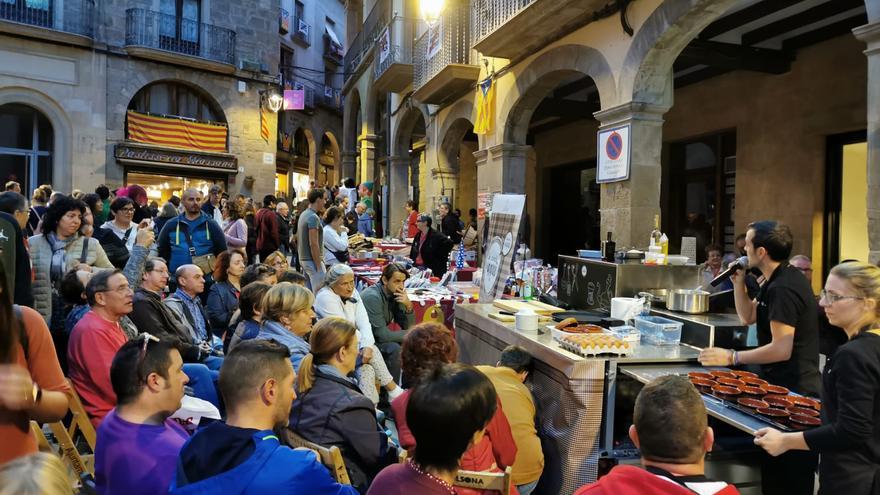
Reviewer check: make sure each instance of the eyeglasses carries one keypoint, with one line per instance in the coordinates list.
(833, 298)
(127, 210)
(804, 270)
(143, 354)
(121, 290)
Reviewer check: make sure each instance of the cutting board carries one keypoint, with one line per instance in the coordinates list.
(512, 319)
(513, 306)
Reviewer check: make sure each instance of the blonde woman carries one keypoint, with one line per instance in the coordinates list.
(287, 316)
(339, 298)
(849, 438)
(37, 474)
(278, 261)
(330, 410)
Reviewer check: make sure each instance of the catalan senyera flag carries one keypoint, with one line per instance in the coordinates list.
(485, 106)
(264, 124)
(179, 133)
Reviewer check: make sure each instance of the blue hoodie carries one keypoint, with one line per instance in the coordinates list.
(225, 460)
(207, 236)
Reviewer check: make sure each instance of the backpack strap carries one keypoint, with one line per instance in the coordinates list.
(85, 250)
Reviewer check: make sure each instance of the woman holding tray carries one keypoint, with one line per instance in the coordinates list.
(849, 438)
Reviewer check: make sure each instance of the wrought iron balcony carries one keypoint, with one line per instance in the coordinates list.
(393, 69)
(68, 16)
(514, 28)
(161, 33)
(444, 65)
(361, 46)
(302, 31)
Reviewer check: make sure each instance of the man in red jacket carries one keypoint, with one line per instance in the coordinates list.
(671, 430)
(266, 223)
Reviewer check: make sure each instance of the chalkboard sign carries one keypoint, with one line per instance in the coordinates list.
(586, 285)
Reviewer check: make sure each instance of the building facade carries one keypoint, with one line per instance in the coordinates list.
(102, 94)
(737, 110)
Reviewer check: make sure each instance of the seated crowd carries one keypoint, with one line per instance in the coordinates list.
(282, 358)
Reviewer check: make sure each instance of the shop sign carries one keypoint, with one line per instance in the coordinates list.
(507, 211)
(614, 154)
(168, 157)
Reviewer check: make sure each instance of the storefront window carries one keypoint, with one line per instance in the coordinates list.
(26, 145)
(160, 187)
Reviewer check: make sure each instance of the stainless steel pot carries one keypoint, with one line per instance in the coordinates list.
(691, 301)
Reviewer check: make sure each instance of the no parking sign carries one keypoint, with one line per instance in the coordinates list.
(613, 154)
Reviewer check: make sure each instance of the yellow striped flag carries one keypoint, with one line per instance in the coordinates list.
(264, 124)
(179, 133)
(485, 106)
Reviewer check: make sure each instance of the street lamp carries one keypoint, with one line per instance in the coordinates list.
(431, 10)
(271, 99)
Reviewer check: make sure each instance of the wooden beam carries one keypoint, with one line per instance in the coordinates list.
(745, 16)
(731, 56)
(697, 76)
(825, 33)
(809, 16)
(566, 108)
(574, 87)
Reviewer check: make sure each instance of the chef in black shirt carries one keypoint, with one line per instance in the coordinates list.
(784, 313)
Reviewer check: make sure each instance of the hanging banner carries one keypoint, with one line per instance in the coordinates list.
(507, 211)
(435, 40)
(614, 154)
(294, 99)
(384, 43)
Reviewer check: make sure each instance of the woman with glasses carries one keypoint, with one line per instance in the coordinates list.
(849, 438)
(235, 228)
(339, 298)
(278, 261)
(33, 384)
(117, 235)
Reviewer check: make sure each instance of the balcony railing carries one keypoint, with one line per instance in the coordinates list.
(449, 43)
(393, 69)
(366, 39)
(150, 29)
(69, 16)
(489, 15)
(302, 30)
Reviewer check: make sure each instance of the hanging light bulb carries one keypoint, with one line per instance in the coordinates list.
(431, 10)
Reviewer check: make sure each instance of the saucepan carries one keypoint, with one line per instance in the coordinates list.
(693, 301)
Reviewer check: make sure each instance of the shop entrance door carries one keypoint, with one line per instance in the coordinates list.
(15, 166)
(846, 200)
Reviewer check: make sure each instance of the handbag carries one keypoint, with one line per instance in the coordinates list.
(341, 256)
(205, 262)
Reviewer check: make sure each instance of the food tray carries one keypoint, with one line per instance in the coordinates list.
(607, 344)
(732, 404)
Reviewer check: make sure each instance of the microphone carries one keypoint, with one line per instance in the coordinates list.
(740, 264)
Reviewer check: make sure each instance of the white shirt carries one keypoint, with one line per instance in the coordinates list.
(328, 303)
(333, 241)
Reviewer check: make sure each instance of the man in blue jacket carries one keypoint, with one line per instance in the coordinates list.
(195, 227)
(243, 456)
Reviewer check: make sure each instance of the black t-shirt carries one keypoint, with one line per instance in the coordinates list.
(788, 299)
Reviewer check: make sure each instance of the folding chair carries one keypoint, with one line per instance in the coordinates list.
(79, 426)
(330, 457)
(481, 480)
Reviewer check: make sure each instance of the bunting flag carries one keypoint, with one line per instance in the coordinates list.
(485, 107)
(264, 124)
(179, 133)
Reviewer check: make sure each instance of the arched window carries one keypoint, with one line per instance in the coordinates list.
(176, 99)
(26, 146)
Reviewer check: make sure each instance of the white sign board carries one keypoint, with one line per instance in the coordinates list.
(507, 211)
(614, 154)
(435, 40)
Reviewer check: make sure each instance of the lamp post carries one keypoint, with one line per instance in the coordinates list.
(273, 100)
(431, 11)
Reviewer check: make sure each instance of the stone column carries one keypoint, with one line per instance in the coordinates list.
(398, 192)
(627, 208)
(367, 145)
(348, 164)
(870, 34)
(502, 168)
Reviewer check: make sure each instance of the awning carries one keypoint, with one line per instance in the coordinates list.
(332, 35)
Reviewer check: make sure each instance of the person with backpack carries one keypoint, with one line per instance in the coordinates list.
(192, 237)
(32, 386)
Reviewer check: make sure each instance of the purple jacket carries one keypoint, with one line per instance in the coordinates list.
(236, 233)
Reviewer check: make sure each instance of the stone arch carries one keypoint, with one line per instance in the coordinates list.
(62, 128)
(350, 129)
(312, 149)
(403, 131)
(333, 143)
(647, 69)
(129, 95)
(450, 143)
(542, 75)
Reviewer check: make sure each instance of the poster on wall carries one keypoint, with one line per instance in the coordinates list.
(507, 211)
(483, 203)
(435, 40)
(614, 154)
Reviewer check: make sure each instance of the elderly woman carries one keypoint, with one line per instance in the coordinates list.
(287, 316)
(339, 298)
(849, 438)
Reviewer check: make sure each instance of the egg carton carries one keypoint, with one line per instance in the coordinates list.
(594, 344)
